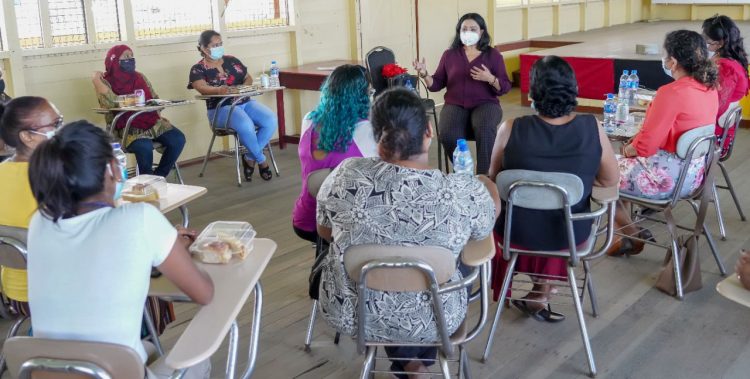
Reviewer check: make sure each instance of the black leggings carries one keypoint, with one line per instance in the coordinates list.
(478, 123)
(305, 235)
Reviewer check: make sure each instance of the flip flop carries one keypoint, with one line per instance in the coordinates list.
(544, 314)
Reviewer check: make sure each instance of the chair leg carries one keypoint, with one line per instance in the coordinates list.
(232, 350)
(208, 154)
(719, 216)
(500, 305)
(581, 321)
(591, 289)
(677, 269)
(178, 174)
(311, 325)
(237, 158)
(730, 187)
(11, 333)
(464, 372)
(444, 365)
(152, 331)
(368, 365)
(273, 160)
(336, 338)
(714, 250)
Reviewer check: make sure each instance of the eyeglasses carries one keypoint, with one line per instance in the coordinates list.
(57, 124)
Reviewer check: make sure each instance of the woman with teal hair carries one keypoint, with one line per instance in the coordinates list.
(335, 130)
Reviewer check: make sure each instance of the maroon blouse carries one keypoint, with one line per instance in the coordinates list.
(454, 73)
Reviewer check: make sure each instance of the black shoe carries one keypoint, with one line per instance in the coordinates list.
(265, 172)
(248, 170)
(544, 314)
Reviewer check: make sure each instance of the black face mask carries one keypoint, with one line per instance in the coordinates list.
(128, 65)
(2, 85)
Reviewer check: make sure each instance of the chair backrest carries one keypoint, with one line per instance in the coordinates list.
(686, 141)
(315, 181)
(13, 247)
(539, 190)
(29, 357)
(440, 259)
(732, 108)
(375, 59)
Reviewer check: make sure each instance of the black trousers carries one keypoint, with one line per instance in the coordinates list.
(479, 123)
(411, 353)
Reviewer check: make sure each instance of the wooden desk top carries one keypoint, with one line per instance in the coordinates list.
(177, 196)
(732, 289)
(323, 68)
(145, 108)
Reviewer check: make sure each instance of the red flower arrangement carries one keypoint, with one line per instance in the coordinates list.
(391, 70)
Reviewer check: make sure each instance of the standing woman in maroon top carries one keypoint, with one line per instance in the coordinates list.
(473, 74)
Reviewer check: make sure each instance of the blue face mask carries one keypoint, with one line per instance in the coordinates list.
(217, 52)
(120, 183)
(128, 65)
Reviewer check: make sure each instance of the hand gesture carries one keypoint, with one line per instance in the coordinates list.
(482, 74)
(98, 76)
(223, 90)
(420, 66)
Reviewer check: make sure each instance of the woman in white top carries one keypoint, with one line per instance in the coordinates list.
(89, 263)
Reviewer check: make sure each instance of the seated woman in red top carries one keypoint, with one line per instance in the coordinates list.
(649, 166)
(724, 42)
(473, 74)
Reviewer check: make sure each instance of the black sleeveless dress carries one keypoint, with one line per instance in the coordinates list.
(571, 148)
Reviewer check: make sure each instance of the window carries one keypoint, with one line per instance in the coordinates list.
(251, 14)
(107, 20)
(67, 22)
(171, 18)
(29, 24)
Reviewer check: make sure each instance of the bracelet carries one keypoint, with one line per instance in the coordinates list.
(422, 75)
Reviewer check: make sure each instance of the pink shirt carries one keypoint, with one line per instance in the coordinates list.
(363, 145)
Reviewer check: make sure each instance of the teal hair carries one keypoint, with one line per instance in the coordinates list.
(344, 101)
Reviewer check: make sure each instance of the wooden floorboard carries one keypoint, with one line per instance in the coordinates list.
(640, 333)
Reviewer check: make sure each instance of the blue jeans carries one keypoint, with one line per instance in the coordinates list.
(143, 148)
(254, 124)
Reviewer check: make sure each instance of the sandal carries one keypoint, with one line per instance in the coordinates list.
(265, 172)
(545, 314)
(248, 170)
(626, 246)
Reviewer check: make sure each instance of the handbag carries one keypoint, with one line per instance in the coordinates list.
(403, 80)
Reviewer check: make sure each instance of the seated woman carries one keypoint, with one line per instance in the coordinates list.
(85, 254)
(726, 48)
(253, 121)
(649, 166)
(25, 122)
(553, 140)
(121, 78)
(399, 200)
(336, 130)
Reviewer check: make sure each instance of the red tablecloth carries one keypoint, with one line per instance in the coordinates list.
(595, 76)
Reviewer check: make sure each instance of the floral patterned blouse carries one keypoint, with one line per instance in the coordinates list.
(234, 74)
(369, 201)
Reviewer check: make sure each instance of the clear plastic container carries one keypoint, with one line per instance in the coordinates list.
(146, 185)
(224, 242)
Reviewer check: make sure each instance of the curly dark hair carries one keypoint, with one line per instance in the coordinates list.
(484, 40)
(691, 53)
(723, 29)
(399, 123)
(553, 87)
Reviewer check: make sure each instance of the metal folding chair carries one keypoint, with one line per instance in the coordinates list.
(226, 131)
(698, 142)
(552, 191)
(12, 256)
(420, 268)
(728, 121)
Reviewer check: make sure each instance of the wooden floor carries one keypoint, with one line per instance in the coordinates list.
(641, 333)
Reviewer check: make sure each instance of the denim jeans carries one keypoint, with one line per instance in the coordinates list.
(254, 124)
(143, 148)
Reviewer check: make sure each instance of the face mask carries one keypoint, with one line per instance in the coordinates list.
(120, 183)
(711, 54)
(469, 38)
(49, 134)
(128, 65)
(217, 52)
(2, 85)
(666, 70)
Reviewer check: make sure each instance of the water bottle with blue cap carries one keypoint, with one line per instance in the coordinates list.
(462, 160)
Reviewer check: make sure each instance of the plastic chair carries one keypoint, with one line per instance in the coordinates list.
(556, 191)
(314, 182)
(420, 268)
(729, 120)
(227, 131)
(698, 142)
(12, 256)
(375, 60)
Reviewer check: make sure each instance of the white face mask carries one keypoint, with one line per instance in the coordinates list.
(711, 54)
(666, 70)
(49, 134)
(469, 38)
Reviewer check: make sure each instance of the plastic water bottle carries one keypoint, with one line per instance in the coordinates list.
(462, 161)
(623, 111)
(122, 159)
(610, 109)
(634, 83)
(622, 92)
(274, 80)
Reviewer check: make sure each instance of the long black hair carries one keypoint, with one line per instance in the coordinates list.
(484, 39)
(16, 116)
(399, 123)
(205, 39)
(69, 167)
(722, 29)
(690, 51)
(553, 87)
